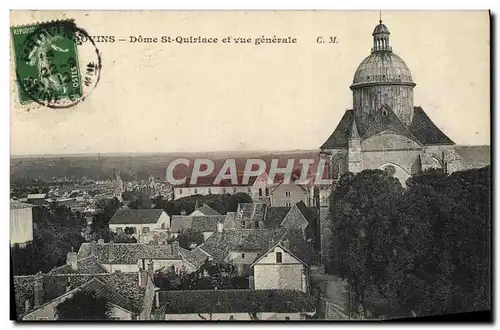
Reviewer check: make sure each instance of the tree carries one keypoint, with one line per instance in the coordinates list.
(56, 230)
(83, 306)
(419, 251)
(100, 224)
(189, 236)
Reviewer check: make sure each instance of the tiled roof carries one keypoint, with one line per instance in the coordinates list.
(275, 215)
(421, 127)
(251, 212)
(339, 137)
(195, 257)
(110, 294)
(129, 216)
(19, 205)
(55, 285)
(387, 122)
(130, 253)
(197, 223)
(207, 210)
(251, 240)
(236, 301)
(426, 131)
(87, 265)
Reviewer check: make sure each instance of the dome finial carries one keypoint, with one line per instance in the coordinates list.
(380, 17)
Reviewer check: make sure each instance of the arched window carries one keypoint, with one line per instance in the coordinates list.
(260, 192)
(267, 191)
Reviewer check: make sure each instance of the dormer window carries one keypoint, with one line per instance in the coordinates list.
(279, 257)
(384, 112)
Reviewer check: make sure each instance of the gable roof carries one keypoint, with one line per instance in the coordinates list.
(197, 223)
(207, 210)
(421, 127)
(53, 286)
(275, 215)
(220, 244)
(236, 301)
(387, 120)
(141, 216)
(294, 244)
(426, 131)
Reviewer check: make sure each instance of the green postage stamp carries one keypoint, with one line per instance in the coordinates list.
(48, 68)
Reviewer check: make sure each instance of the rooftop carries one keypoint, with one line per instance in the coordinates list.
(141, 216)
(236, 301)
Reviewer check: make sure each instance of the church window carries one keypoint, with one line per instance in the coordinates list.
(260, 192)
(288, 204)
(267, 191)
(287, 194)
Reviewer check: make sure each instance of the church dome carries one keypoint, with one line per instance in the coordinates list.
(382, 67)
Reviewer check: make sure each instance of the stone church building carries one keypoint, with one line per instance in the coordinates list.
(384, 129)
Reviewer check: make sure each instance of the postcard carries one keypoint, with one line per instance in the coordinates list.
(250, 165)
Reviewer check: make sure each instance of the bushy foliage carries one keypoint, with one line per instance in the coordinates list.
(422, 250)
(56, 230)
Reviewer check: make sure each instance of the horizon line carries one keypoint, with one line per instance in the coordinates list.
(186, 152)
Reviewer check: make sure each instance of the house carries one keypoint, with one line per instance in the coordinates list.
(37, 199)
(289, 194)
(129, 295)
(213, 305)
(204, 224)
(285, 266)
(207, 186)
(240, 246)
(21, 223)
(132, 257)
(141, 221)
(204, 210)
(261, 188)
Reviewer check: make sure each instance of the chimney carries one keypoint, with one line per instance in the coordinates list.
(286, 244)
(157, 297)
(143, 278)
(183, 212)
(100, 241)
(111, 254)
(93, 248)
(272, 243)
(220, 227)
(71, 259)
(174, 247)
(38, 290)
(150, 268)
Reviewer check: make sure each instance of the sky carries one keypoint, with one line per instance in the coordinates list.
(160, 97)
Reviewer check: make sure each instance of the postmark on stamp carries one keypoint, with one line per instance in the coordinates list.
(54, 67)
